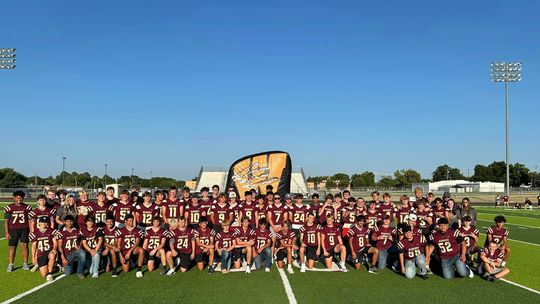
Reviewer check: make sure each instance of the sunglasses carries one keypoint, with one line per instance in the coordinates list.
(276, 198)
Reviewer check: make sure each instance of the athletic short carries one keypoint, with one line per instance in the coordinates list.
(311, 253)
(362, 251)
(184, 260)
(43, 260)
(330, 253)
(18, 235)
(153, 258)
(201, 257)
(237, 254)
(281, 255)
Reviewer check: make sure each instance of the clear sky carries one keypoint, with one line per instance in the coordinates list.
(343, 86)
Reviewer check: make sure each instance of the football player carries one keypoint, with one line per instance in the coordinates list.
(373, 217)
(244, 244)
(193, 212)
(470, 236)
(172, 208)
(248, 208)
(39, 211)
(492, 259)
(298, 213)
(411, 253)
(153, 244)
(122, 209)
(262, 246)
(387, 208)
(16, 228)
(276, 215)
(44, 247)
(499, 235)
(182, 245)
(111, 248)
(110, 196)
(326, 208)
(332, 243)
(225, 244)
(384, 236)
(101, 208)
(69, 248)
(287, 244)
(204, 240)
(206, 202)
(85, 207)
(260, 209)
(234, 210)
(92, 241)
(451, 250)
(310, 243)
(219, 212)
(146, 212)
(359, 243)
(129, 240)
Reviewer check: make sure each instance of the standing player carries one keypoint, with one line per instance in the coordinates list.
(387, 208)
(491, 258)
(69, 248)
(234, 210)
(111, 247)
(85, 208)
(193, 212)
(384, 236)
(204, 242)
(129, 240)
(153, 244)
(146, 212)
(326, 208)
(314, 206)
(403, 211)
(219, 212)
(332, 243)
(310, 243)
(248, 209)
(111, 199)
(411, 253)
(215, 192)
(39, 211)
(287, 244)
(172, 208)
(261, 248)
(206, 202)
(92, 241)
(425, 216)
(359, 243)
(298, 213)
(44, 247)
(244, 244)
(260, 209)
(373, 217)
(470, 236)
(122, 209)
(348, 215)
(17, 229)
(499, 235)
(101, 208)
(225, 245)
(276, 215)
(451, 249)
(182, 246)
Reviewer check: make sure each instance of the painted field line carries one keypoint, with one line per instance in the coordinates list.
(513, 240)
(19, 296)
(510, 224)
(1, 239)
(288, 288)
(521, 286)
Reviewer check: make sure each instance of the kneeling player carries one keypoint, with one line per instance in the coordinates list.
(111, 251)
(411, 253)
(44, 246)
(153, 244)
(286, 245)
(332, 243)
(182, 246)
(491, 258)
(470, 236)
(310, 245)
(225, 245)
(451, 250)
(244, 244)
(204, 241)
(499, 235)
(262, 246)
(128, 242)
(360, 246)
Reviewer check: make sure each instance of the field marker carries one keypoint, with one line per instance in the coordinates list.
(288, 288)
(19, 296)
(513, 240)
(511, 224)
(521, 286)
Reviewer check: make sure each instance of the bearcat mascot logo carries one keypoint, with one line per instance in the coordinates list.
(256, 171)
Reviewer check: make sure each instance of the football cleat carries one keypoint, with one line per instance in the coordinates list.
(343, 267)
(303, 268)
(267, 269)
(10, 268)
(373, 270)
(49, 278)
(34, 268)
(428, 270)
(170, 272)
(248, 269)
(289, 269)
(25, 266)
(95, 276)
(471, 274)
(114, 274)
(224, 271)
(139, 274)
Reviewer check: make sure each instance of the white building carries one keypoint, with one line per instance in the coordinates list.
(460, 186)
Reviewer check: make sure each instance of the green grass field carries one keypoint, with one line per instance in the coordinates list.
(309, 287)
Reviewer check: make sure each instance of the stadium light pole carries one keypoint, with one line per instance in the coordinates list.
(63, 168)
(8, 58)
(506, 72)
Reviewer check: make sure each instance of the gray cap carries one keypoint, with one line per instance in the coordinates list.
(288, 196)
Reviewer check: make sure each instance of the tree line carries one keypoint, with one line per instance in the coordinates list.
(9, 178)
(494, 172)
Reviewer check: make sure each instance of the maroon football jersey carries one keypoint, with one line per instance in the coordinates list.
(387, 233)
(439, 213)
(261, 211)
(248, 209)
(182, 239)
(326, 211)
(172, 209)
(154, 237)
(285, 237)
(468, 235)
(17, 215)
(224, 239)
(276, 213)
(111, 235)
(262, 238)
(447, 244)
(412, 248)
(206, 204)
(234, 213)
(43, 240)
(348, 214)
(91, 236)
(495, 256)
(145, 214)
(497, 234)
(386, 209)
(245, 235)
(121, 210)
(90, 206)
(193, 214)
(359, 237)
(331, 236)
(111, 201)
(37, 213)
(100, 212)
(298, 214)
(129, 238)
(70, 240)
(219, 213)
(204, 236)
(423, 217)
(402, 214)
(372, 217)
(310, 234)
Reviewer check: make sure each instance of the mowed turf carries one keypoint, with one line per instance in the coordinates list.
(309, 287)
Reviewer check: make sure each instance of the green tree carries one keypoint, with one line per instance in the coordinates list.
(316, 179)
(445, 172)
(386, 182)
(406, 177)
(9, 178)
(364, 179)
(330, 183)
(519, 175)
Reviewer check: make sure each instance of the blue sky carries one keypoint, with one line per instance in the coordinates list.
(343, 86)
